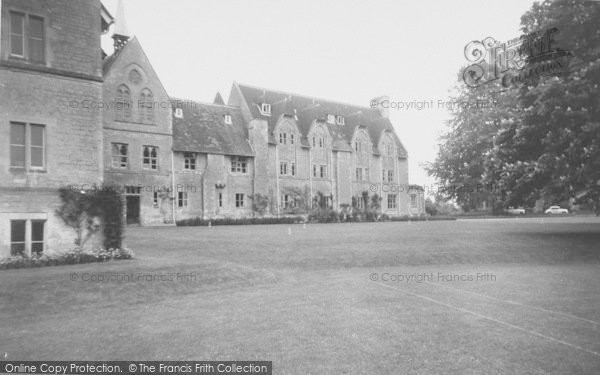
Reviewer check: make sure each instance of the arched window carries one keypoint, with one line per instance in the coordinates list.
(123, 103)
(147, 106)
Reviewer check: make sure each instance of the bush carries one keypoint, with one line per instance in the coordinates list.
(80, 210)
(73, 256)
(199, 222)
(421, 218)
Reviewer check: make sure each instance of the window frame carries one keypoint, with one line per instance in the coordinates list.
(27, 146)
(146, 103)
(392, 201)
(265, 109)
(152, 164)
(38, 242)
(239, 200)
(227, 119)
(182, 199)
(120, 155)
(41, 40)
(323, 171)
(26, 37)
(22, 146)
(189, 161)
(123, 103)
(239, 165)
(283, 168)
(22, 35)
(29, 243)
(12, 243)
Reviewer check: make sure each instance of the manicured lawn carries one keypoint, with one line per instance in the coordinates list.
(307, 301)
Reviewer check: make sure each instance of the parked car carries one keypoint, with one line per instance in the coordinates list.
(556, 210)
(516, 211)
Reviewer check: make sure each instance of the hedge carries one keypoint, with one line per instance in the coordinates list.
(196, 222)
(73, 256)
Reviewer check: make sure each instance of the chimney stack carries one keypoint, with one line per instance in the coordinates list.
(382, 104)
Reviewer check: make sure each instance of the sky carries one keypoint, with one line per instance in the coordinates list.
(347, 51)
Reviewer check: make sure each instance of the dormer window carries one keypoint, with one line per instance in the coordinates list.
(339, 120)
(227, 119)
(178, 113)
(265, 109)
(331, 119)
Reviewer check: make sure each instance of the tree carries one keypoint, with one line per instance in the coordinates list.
(541, 138)
(477, 115)
(553, 151)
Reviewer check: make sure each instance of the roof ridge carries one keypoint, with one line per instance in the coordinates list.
(303, 96)
(202, 102)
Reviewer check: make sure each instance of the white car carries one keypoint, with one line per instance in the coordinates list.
(516, 211)
(556, 210)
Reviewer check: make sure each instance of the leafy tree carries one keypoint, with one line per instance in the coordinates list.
(540, 139)
(477, 116)
(553, 151)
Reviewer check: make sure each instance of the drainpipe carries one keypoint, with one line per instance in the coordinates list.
(337, 180)
(310, 173)
(277, 170)
(203, 178)
(173, 186)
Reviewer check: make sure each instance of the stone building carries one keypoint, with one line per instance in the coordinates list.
(324, 148)
(50, 65)
(137, 130)
(73, 115)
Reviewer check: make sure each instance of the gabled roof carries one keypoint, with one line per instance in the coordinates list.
(106, 19)
(110, 60)
(307, 110)
(218, 99)
(202, 129)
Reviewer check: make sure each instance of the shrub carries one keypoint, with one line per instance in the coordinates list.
(197, 222)
(81, 211)
(72, 256)
(421, 218)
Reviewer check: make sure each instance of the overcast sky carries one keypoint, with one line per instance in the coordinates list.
(347, 51)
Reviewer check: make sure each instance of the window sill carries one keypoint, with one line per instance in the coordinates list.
(25, 170)
(25, 60)
(135, 122)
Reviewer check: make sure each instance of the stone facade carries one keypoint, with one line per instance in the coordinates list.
(51, 140)
(73, 116)
(137, 121)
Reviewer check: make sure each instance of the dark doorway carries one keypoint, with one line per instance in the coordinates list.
(133, 209)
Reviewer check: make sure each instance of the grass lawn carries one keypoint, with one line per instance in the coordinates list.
(309, 301)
